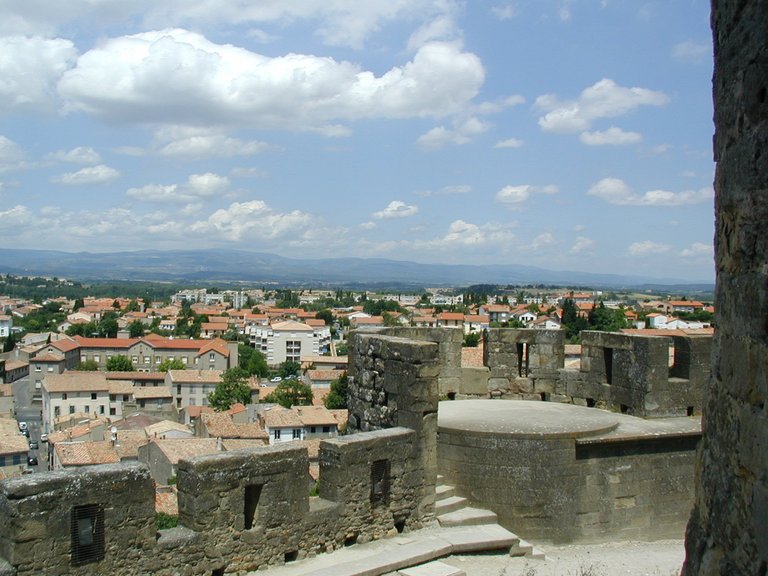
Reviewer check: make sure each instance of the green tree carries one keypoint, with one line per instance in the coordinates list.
(289, 368)
(232, 389)
(471, 340)
(337, 398)
(291, 392)
(88, 366)
(132, 306)
(120, 363)
(78, 304)
(326, 315)
(10, 343)
(107, 327)
(175, 364)
(136, 329)
(252, 360)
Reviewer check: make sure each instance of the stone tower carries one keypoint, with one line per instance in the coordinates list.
(728, 529)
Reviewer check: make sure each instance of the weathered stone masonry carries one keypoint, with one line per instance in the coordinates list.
(728, 530)
(238, 511)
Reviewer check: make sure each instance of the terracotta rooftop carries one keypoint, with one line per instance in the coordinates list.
(176, 449)
(220, 424)
(163, 427)
(73, 381)
(279, 417)
(144, 392)
(86, 453)
(195, 376)
(315, 416)
(167, 501)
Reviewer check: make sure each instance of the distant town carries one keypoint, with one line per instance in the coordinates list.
(92, 379)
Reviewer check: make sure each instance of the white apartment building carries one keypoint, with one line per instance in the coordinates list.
(191, 387)
(77, 393)
(289, 340)
(6, 323)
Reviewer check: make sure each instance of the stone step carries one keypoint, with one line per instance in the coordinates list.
(449, 504)
(467, 517)
(523, 548)
(444, 491)
(432, 569)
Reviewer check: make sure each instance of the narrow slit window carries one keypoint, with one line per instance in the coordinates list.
(251, 501)
(608, 358)
(380, 482)
(87, 534)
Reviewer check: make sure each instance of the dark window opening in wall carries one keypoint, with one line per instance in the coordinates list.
(451, 395)
(590, 402)
(250, 502)
(608, 359)
(350, 540)
(544, 396)
(380, 482)
(400, 526)
(291, 556)
(624, 408)
(689, 411)
(87, 531)
(218, 571)
(522, 359)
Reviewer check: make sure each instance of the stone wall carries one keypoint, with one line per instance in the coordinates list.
(523, 363)
(394, 381)
(728, 526)
(449, 342)
(238, 511)
(631, 374)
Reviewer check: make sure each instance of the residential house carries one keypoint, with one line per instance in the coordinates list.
(496, 312)
(322, 378)
(282, 424)
(192, 387)
(222, 425)
(74, 392)
(162, 456)
(76, 454)
(450, 320)
(6, 324)
(545, 323)
(476, 323)
(15, 370)
(13, 449)
(318, 422)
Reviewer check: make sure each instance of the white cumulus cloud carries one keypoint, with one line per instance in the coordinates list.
(613, 137)
(197, 187)
(616, 191)
(509, 143)
(100, 174)
(697, 249)
(604, 99)
(178, 77)
(582, 244)
(79, 155)
(30, 69)
(253, 220)
(516, 195)
(648, 248)
(396, 209)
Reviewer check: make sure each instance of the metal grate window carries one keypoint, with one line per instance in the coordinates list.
(380, 482)
(87, 534)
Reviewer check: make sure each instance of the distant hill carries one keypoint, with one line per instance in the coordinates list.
(198, 266)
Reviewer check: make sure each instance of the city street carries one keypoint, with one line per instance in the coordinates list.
(28, 410)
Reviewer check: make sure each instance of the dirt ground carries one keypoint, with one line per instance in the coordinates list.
(661, 558)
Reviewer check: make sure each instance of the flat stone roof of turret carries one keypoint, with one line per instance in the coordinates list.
(553, 420)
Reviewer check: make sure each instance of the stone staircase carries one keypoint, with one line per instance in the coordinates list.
(454, 511)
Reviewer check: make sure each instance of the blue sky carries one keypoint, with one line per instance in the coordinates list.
(554, 133)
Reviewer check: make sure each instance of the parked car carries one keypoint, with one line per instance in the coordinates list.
(24, 433)
(276, 379)
(43, 437)
(22, 426)
(33, 445)
(32, 461)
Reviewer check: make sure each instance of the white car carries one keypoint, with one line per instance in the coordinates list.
(22, 426)
(276, 379)
(43, 437)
